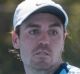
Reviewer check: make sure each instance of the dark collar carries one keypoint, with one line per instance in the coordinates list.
(62, 69)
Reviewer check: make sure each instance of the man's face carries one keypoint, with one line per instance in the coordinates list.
(41, 41)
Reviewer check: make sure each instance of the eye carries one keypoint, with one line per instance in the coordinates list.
(53, 32)
(34, 32)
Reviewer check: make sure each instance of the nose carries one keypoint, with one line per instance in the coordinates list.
(44, 39)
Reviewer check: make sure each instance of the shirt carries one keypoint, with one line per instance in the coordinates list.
(66, 68)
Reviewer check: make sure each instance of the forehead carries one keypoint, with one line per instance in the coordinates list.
(42, 18)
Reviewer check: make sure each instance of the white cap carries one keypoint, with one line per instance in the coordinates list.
(28, 7)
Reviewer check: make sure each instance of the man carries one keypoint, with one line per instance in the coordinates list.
(39, 32)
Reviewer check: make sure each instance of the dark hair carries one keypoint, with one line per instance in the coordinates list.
(17, 30)
(13, 51)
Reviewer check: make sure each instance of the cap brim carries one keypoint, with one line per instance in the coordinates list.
(52, 10)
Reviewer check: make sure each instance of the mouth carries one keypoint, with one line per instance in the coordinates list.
(42, 53)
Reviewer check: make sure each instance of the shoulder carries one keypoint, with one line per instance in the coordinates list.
(73, 69)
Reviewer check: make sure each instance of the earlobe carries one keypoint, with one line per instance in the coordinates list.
(66, 34)
(15, 40)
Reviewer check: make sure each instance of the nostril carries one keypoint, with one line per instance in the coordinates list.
(43, 46)
(44, 42)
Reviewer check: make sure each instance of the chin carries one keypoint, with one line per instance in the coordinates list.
(41, 65)
(41, 62)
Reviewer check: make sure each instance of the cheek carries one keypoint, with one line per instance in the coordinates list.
(26, 47)
(57, 45)
(57, 41)
(25, 38)
(27, 44)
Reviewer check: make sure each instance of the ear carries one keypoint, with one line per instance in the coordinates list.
(66, 34)
(15, 40)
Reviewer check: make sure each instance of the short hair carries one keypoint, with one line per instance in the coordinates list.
(17, 30)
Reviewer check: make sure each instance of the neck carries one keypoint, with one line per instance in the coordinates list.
(51, 70)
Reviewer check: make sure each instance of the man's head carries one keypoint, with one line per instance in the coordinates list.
(41, 34)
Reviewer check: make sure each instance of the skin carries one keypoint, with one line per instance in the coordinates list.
(41, 43)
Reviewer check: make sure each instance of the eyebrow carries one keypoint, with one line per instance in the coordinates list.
(32, 26)
(55, 25)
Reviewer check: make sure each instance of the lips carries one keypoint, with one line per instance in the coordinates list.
(41, 53)
(42, 50)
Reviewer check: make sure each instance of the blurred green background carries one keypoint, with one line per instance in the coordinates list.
(8, 62)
